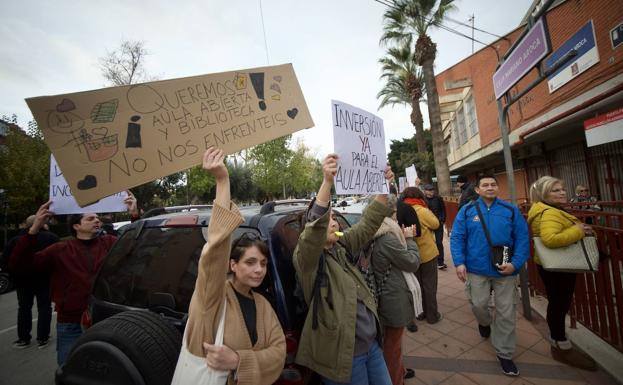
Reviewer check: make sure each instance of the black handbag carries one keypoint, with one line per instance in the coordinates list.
(500, 254)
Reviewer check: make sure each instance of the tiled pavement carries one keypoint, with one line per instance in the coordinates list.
(452, 351)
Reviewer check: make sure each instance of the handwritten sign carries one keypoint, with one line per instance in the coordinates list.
(115, 138)
(63, 201)
(411, 174)
(359, 141)
(402, 183)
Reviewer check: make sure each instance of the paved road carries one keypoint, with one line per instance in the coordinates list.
(30, 366)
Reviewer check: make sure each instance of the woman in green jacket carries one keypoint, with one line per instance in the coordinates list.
(557, 228)
(340, 339)
(394, 253)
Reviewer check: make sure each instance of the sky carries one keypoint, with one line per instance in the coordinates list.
(53, 47)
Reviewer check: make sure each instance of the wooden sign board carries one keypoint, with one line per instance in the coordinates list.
(111, 139)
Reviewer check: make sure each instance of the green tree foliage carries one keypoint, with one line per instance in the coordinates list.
(403, 154)
(25, 172)
(304, 172)
(270, 167)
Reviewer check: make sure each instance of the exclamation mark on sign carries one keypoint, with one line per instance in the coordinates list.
(257, 80)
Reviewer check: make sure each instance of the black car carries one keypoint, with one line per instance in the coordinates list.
(141, 295)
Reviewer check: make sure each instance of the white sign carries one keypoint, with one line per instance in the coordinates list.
(583, 43)
(402, 183)
(411, 176)
(63, 201)
(359, 142)
(604, 128)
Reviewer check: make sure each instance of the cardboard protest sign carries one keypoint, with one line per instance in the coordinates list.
(115, 138)
(63, 201)
(359, 141)
(411, 173)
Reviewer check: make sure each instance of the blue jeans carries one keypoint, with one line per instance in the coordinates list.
(66, 336)
(368, 368)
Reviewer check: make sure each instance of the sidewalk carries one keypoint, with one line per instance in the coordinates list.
(452, 351)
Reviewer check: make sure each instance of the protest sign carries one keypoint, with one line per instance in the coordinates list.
(63, 201)
(402, 183)
(411, 176)
(115, 138)
(359, 141)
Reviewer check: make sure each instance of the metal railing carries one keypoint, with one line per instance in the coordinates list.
(597, 302)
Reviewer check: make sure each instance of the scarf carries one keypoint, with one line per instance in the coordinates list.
(415, 202)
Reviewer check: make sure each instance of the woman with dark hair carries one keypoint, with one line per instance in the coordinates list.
(427, 273)
(232, 335)
(557, 228)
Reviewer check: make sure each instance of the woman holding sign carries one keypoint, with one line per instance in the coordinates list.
(232, 335)
(340, 338)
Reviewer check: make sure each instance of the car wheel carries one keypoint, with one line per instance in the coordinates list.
(6, 284)
(133, 348)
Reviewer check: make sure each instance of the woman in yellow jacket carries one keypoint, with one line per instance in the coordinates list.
(557, 228)
(427, 273)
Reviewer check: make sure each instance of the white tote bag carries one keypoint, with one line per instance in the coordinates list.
(579, 257)
(193, 370)
(416, 292)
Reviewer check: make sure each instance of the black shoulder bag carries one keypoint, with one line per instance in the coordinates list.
(500, 254)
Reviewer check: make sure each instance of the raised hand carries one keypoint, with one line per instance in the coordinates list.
(42, 216)
(213, 162)
(389, 174)
(409, 231)
(130, 201)
(329, 167)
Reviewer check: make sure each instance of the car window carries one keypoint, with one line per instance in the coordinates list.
(161, 260)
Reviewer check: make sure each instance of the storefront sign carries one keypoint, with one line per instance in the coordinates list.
(528, 53)
(583, 42)
(604, 128)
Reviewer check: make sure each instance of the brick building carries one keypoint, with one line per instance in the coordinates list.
(547, 125)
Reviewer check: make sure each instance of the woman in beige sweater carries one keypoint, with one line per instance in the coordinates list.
(253, 349)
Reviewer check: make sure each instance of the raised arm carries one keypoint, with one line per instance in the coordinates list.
(213, 263)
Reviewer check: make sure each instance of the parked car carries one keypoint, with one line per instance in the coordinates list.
(353, 212)
(139, 304)
(6, 282)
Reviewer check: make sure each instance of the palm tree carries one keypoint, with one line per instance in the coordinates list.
(413, 17)
(404, 84)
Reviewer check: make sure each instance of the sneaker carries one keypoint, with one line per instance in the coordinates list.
(573, 357)
(21, 344)
(43, 343)
(508, 367)
(485, 331)
(409, 373)
(442, 267)
(412, 327)
(437, 319)
(421, 317)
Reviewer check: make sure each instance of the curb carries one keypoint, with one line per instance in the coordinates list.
(608, 358)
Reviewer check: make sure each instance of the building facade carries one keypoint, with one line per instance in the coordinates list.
(547, 125)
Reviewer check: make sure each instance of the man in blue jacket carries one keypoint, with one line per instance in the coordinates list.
(472, 257)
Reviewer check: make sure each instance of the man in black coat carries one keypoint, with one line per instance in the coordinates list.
(468, 192)
(437, 206)
(29, 286)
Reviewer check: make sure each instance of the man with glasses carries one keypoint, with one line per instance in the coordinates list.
(582, 195)
(72, 265)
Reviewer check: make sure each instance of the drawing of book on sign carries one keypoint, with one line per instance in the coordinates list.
(104, 112)
(101, 148)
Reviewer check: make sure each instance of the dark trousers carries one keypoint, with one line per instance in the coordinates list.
(427, 276)
(559, 288)
(439, 241)
(25, 299)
